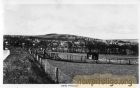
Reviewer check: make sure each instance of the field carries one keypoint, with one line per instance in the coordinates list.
(120, 65)
(120, 59)
(102, 56)
(21, 67)
(73, 69)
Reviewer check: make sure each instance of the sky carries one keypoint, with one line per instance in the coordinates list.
(104, 21)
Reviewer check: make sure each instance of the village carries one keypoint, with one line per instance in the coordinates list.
(79, 45)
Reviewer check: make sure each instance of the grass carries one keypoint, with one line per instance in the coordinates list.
(73, 69)
(20, 68)
(101, 56)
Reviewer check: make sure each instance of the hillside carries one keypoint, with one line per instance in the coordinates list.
(75, 37)
(74, 43)
(55, 36)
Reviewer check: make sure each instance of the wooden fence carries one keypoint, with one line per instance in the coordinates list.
(55, 73)
(83, 58)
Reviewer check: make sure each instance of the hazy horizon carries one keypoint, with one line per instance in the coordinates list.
(70, 34)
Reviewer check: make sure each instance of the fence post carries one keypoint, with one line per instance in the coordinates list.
(45, 67)
(29, 51)
(81, 58)
(37, 57)
(129, 62)
(117, 60)
(85, 58)
(51, 54)
(55, 56)
(70, 57)
(34, 55)
(44, 53)
(109, 61)
(57, 74)
(40, 60)
(35, 51)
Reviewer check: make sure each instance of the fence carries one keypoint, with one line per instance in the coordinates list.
(126, 61)
(67, 57)
(55, 73)
(58, 76)
(83, 58)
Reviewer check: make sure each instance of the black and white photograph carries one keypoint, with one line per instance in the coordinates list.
(70, 43)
